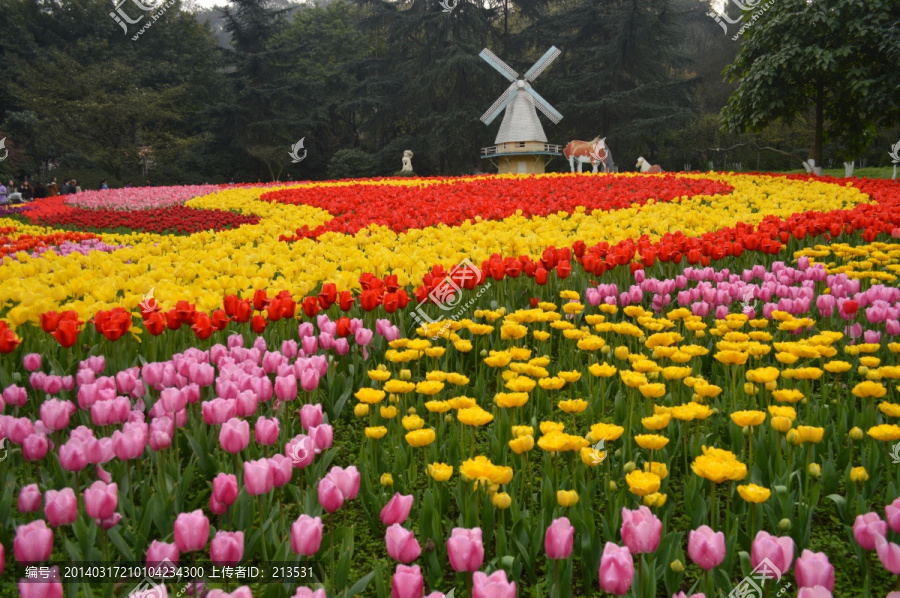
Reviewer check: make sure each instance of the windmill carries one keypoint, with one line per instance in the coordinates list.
(521, 146)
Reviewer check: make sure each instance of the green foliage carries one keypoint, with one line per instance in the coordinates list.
(351, 164)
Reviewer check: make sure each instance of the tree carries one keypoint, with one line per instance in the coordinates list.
(834, 60)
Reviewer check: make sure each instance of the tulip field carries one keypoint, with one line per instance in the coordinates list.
(668, 385)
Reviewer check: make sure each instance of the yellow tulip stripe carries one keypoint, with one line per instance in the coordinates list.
(878, 262)
(203, 267)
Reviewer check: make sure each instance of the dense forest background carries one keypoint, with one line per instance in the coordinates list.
(223, 94)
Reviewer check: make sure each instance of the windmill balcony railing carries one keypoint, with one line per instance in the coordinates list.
(550, 148)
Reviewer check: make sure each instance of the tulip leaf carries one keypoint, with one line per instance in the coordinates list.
(360, 585)
(343, 566)
(121, 544)
(840, 503)
(340, 403)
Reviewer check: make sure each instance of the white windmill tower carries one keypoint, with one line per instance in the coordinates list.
(521, 146)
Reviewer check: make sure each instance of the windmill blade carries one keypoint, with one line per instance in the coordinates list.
(500, 105)
(544, 106)
(500, 66)
(542, 63)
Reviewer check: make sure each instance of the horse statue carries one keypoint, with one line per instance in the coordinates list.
(594, 152)
(646, 167)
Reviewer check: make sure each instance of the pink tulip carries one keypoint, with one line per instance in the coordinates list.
(814, 592)
(258, 477)
(330, 496)
(888, 554)
(683, 595)
(35, 447)
(706, 547)
(218, 411)
(101, 500)
(160, 553)
(191, 531)
(309, 379)
(892, 515)
(29, 499)
(306, 535)
(813, 569)
(173, 399)
(397, 509)
(301, 450)
(32, 362)
(407, 582)
(33, 543)
(616, 569)
(641, 530)
(241, 592)
(282, 470)
(18, 429)
(559, 538)
(234, 436)
(310, 344)
(130, 444)
(347, 480)
(323, 436)
(266, 431)
(465, 549)
(494, 585)
(225, 488)
(867, 528)
(61, 508)
(227, 548)
(96, 363)
(150, 589)
(311, 416)
(779, 550)
(304, 592)
(15, 396)
(55, 414)
(402, 544)
(286, 387)
(109, 522)
(39, 588)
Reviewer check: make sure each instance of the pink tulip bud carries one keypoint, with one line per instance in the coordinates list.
(55, 414)
(616, 569)
(402, 544)
(465, 549)
(225, 488)
(241, 592)
(33, 543)
(309, 379)
(15, 396)
(282, 470)
(867, 528)
(814, 569)
(330, 496)
(71, 456)
(494, 585)
(397, 509)
(52, 587)
(323, 437)
(162, 554)
(32, 362)
(304, 592)
(266, 431)
(258, 477)
(35, 447)
(407, 582)
(227, 548)
(61, 508)
(234, 436)
(191, 531)
(306, 535)
(780, 551)
(29, 499)
(101, 500)
(347, 480)
(311, 416)
(706, 547)
(559, 538)
(286, 387)
(641, 530)
(815, 592)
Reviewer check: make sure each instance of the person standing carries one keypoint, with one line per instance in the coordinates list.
(3, 197)
(27, 191)
(103, 184)
(40, 192)
(53, 188)
(76, 188)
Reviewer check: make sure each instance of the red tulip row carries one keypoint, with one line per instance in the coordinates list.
(10, 246)
(174, 219)
(401, 208)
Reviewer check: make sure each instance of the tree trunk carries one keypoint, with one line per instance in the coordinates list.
(815, 152)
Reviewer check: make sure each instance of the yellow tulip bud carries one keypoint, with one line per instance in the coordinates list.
(770, 386)
(784, 525)
(566, 498)
(361, 410)
(815, 471)
(629, 467)
(859, 474)
(387, 479)
(501, 500)
(405, 374)
(677, 566)
(613, 487)
(794, 437)
(780, 424)
(621, 352)
(750, 388)
(856, 434)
